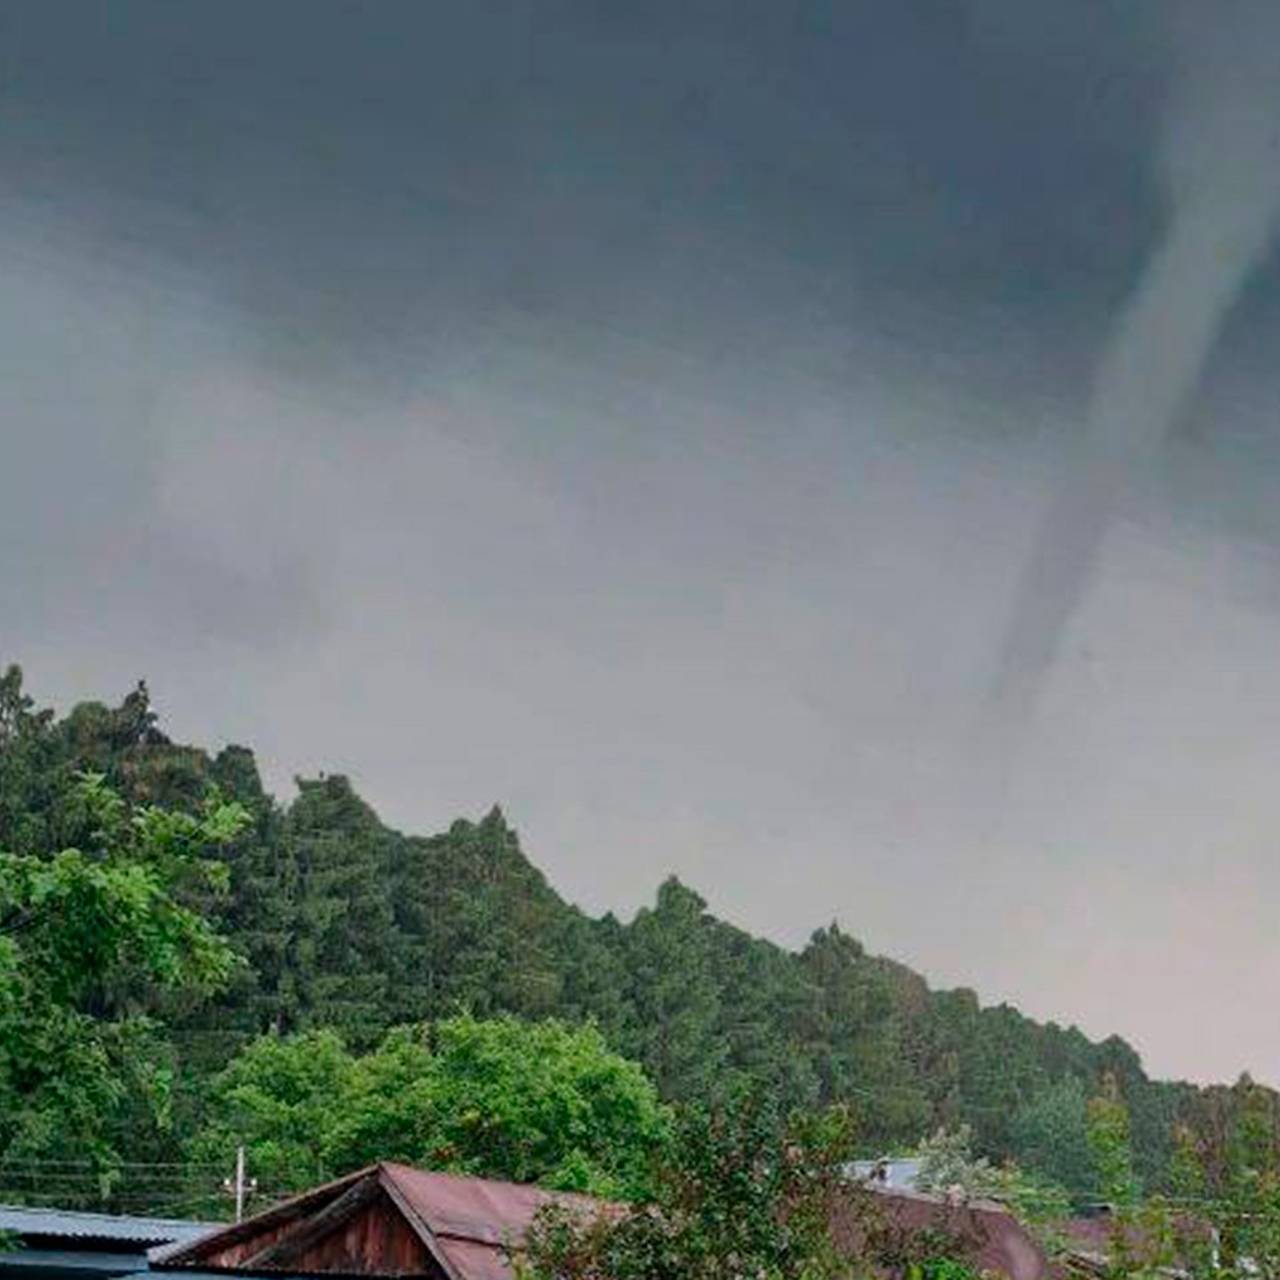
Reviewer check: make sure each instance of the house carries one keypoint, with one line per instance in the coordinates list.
(991, 1236)
(1089, 1241)
(386, 1220)
(62, 1244)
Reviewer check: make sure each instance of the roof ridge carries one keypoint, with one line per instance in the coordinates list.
(550, 1192)
(417, 1221)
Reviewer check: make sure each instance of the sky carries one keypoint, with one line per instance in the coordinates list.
(640, 416)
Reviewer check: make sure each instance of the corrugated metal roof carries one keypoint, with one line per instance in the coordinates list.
(474, 1220)
(74, 1224)
(465, 1224)
(1001, 1244)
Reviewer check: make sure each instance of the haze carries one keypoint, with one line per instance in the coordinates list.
(639, 415)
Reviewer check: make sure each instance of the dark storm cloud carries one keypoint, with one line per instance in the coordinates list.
(368, 174)
(638, 414)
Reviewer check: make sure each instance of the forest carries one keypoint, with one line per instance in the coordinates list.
(188, 963)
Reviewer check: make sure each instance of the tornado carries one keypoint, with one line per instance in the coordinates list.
(1221, 169)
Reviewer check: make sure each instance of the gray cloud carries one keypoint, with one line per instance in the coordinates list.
(640, 417)
(1221, 163)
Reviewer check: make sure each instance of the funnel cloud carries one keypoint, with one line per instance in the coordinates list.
(1221, 165)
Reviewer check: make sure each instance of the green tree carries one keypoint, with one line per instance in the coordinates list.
(27, 776)
(262, 913)
(743, 1189)
(1050, 1134)
(93, 941)
(1224, 1222)
(1109, 1145)
(344, 939)
(674, 1010)
(280, 1098)
(858, 1049)
(347, 923)
(1236, 1174)
(530, 1102)
(483, 930)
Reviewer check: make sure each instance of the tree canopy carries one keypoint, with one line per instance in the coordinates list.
(97, 940)
(745, 1188)
(538, 1102)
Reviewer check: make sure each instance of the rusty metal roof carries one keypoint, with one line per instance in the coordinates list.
(1000, 1243)
(466, 1226)
(475, 1220)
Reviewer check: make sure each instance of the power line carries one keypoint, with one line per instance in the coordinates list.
(42, 1162)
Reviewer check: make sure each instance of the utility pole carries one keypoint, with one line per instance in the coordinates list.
(239, 1182)
(239, 1185)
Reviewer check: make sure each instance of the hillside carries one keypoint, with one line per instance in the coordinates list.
(347, 923)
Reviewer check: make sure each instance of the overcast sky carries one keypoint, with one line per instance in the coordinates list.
(638, 415)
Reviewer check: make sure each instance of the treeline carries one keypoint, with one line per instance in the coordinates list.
(346, 924)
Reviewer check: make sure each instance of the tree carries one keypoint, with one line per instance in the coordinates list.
(281, 1098)
(1050, 1133)
(674, 1015)
(743, 1189)
(530, 1102)
(1232, 1172)
(482, 929)
(1142, 1235)
(857, 1047)
(93, 940)
(949, 1167)
(1108, 1134)
(26, 767)
(261, 914)
(344, 940)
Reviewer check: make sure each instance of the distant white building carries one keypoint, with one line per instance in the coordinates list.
(893, 1174)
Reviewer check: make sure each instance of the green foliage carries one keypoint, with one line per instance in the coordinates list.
(530, 1102)
(1050, 1133)
(1108, 1134)
(93, 941)
(741, 1191)
(280, 1097)
(744, 1189)
(342, 940)
(949, 1167)
(942, 1269)
(1228, 1232)
(675, 1008)
(860, 1040)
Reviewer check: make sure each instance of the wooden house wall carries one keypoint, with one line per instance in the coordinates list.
(376, 1240)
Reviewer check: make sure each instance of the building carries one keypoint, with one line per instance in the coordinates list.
(61, 1244)
(386, 1220)
(894, 1174)
(996, 1242)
